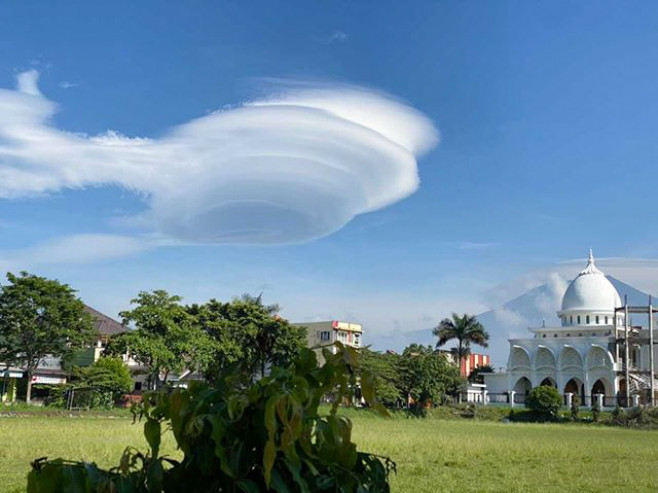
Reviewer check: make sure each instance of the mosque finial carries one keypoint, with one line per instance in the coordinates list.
(591, 267)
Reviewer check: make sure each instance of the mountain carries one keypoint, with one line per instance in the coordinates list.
(531, 309)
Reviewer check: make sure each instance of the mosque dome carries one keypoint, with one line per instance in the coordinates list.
(591, 291)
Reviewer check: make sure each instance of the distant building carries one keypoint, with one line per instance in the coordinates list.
(584, 355)
(473, 361)
(326, 333)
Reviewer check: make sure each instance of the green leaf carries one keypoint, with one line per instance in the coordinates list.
(269, 456)
(152, 432)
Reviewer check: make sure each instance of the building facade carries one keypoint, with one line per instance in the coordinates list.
(325, 333)
(582, 356)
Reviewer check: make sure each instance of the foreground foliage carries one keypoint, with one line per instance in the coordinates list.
(242, 436)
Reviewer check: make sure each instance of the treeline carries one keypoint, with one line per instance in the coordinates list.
(172, 338)
(418, 378)
(42, 318)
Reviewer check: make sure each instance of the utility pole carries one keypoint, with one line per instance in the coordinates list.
(627, 353)
(651, 363)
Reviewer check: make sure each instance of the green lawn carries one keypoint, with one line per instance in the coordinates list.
(432, 455)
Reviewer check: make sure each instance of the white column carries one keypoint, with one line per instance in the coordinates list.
(599, 401)
(511, 398)
(569, 397)
(636, 400)
(485, 397)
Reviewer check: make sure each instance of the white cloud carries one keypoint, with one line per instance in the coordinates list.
(67, 85)
(286, 169)
(74, 249)
(337, 36)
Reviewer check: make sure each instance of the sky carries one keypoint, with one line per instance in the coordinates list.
(381, 162)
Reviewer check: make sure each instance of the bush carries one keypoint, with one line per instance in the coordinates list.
(635, 418)
(241, 436)
(545, 402)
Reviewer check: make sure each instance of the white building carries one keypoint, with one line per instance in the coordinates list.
(322, 334)
(583, 355)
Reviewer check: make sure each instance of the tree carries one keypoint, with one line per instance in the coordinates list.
(247, 330)
(477, 375)
(545, 401)
(167, 338)
(427, 376)
(384, 366)
(466, 330)
(109, 374)
(40, 317)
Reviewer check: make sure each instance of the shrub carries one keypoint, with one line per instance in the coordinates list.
(596, 412)
(545, 402)
(242, 436)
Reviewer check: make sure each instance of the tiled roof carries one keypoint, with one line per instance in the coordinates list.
(105, 325)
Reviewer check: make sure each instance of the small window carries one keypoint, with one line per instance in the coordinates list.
(606, 320)
(568, 335)
(544, 336)
(580, 335)
(587, 319)
(578, 320)
(554, 335)
(571, 319)
(597, 320)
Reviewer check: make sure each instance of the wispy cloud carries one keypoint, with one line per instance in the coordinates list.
(74, 249)
(262, 172)
(337, 37)
(67, 85)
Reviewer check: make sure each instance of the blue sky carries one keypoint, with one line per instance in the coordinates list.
(546, 114)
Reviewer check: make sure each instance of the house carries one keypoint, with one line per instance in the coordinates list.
(50, 371)
(326, 333)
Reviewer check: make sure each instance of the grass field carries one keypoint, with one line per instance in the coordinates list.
(433, 455)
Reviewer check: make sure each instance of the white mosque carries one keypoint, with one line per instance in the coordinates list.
(585, 354)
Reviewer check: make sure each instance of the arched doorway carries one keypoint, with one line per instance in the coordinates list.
(602, 386)
(548, 382)
(599, 387)
(521, 389)
(575, 387)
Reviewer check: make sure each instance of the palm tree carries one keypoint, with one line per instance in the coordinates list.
(465, 329)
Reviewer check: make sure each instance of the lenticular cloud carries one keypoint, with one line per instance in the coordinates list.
(284, 169)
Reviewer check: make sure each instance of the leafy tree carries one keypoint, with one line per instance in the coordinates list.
(477, 375)
(544, 401)
(384, 366)
(108, 373)
(242, 436)
(247, 330)
(466, 330)
(167, 337)
(40, 317)
(427, 376)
